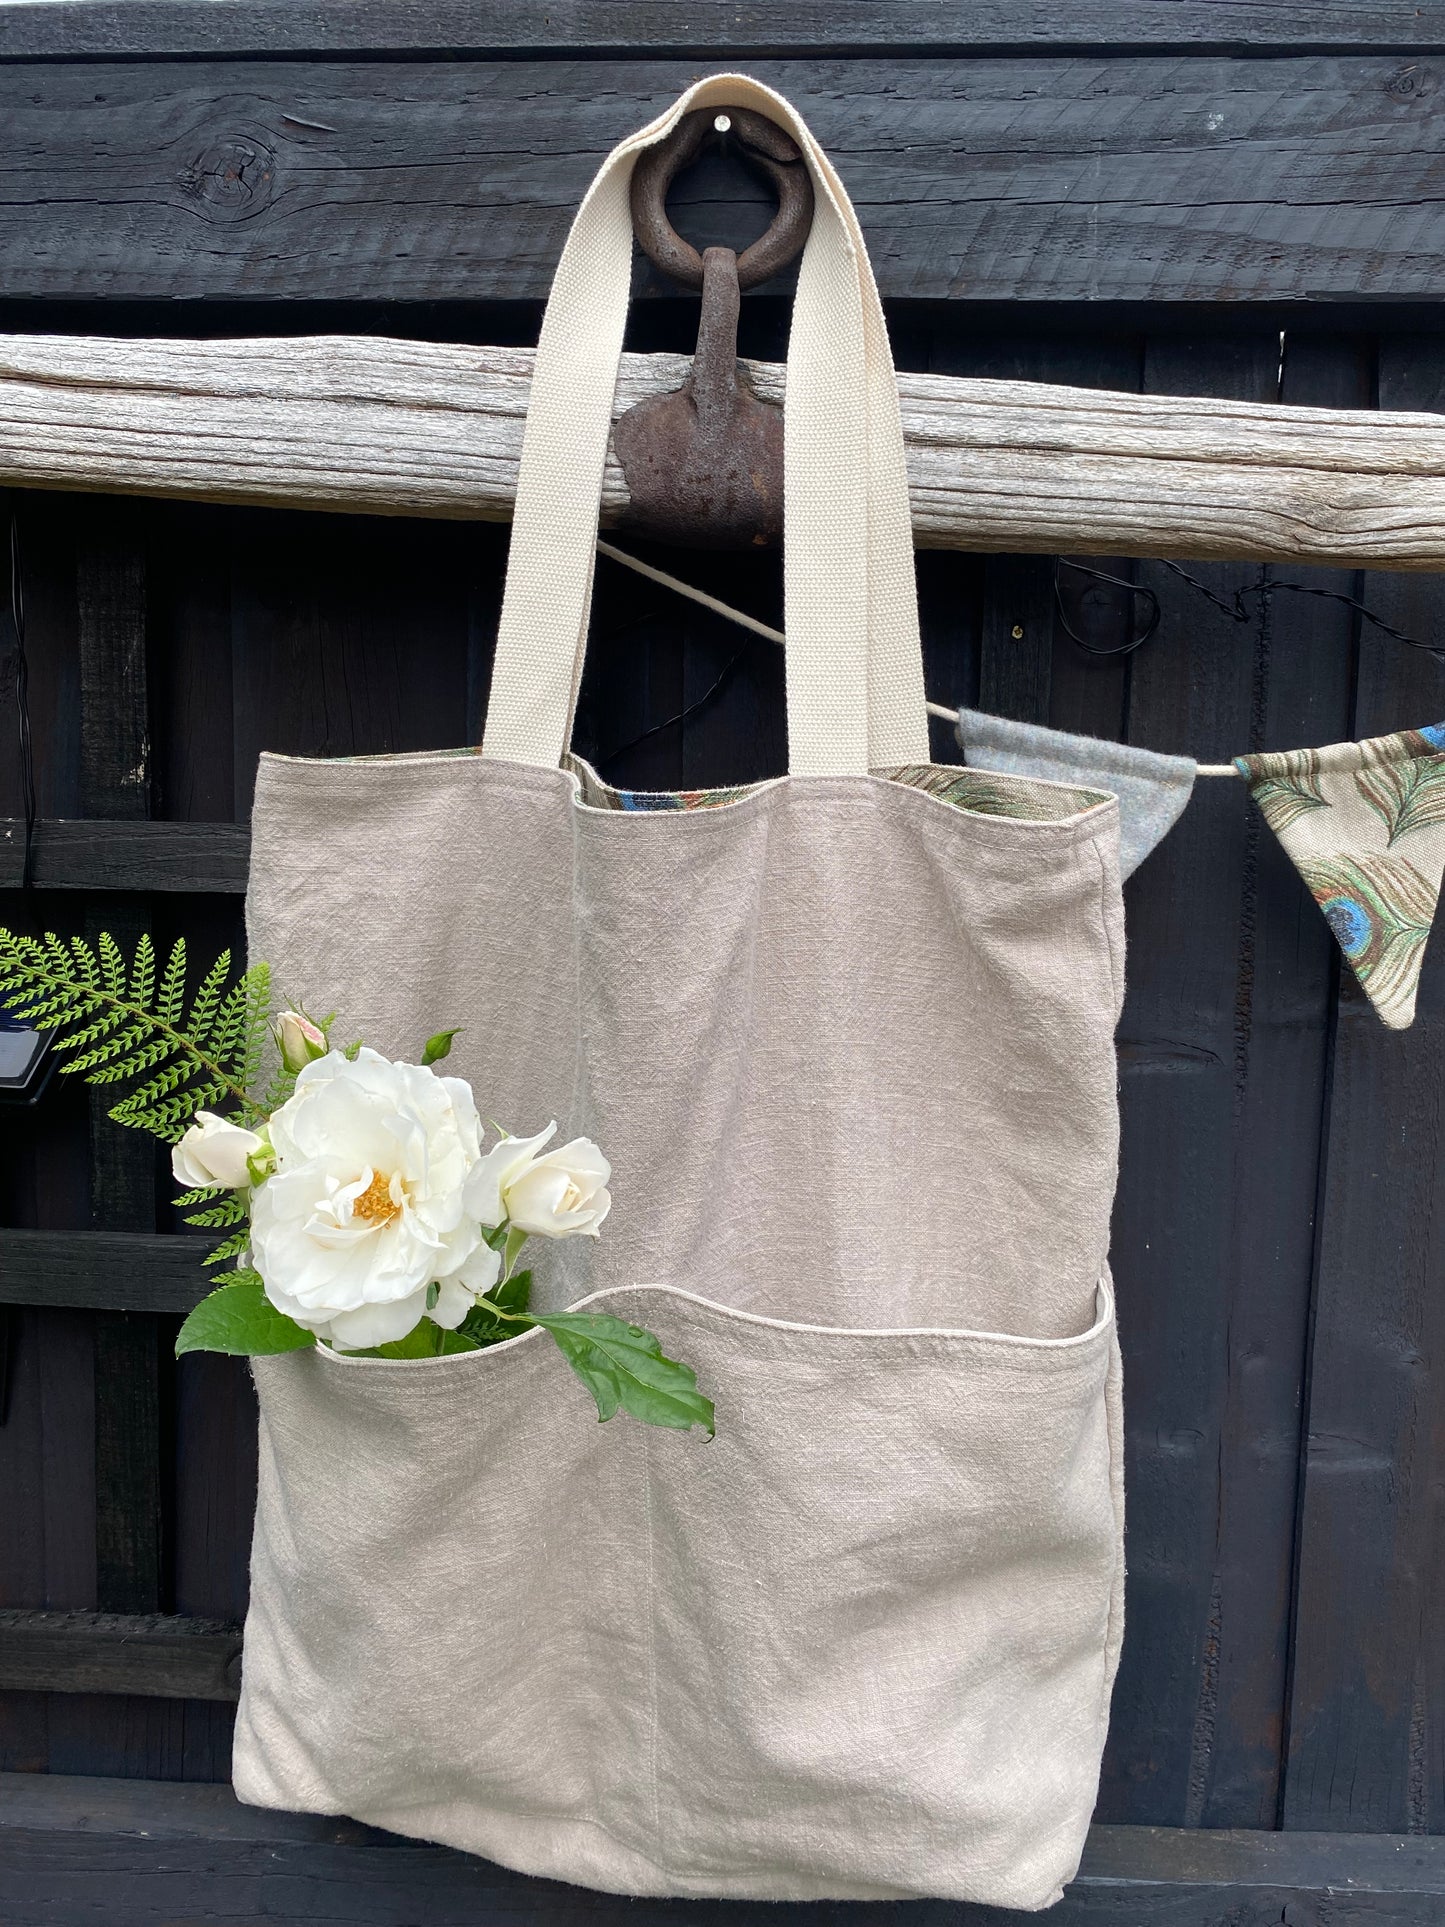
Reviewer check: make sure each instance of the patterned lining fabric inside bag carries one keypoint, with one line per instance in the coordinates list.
(978, 791)
(1365, 826)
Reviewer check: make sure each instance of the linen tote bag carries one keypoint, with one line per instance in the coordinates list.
(847, 1038)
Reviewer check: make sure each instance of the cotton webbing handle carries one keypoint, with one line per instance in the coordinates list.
(854, 663)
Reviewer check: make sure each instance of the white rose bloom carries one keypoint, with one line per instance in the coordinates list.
(214, 1151)
(365, 1208)
(560, 1195)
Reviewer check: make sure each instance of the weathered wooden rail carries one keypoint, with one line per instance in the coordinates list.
(421, 428)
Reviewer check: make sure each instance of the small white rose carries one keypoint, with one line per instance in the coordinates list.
(214, 1151)
(499, 1168)
(561, 1195)
(299, 1040)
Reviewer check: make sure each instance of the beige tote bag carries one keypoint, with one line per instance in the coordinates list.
(847, 1038)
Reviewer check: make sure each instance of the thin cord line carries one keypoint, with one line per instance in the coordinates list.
(721, 608)
(773, 635)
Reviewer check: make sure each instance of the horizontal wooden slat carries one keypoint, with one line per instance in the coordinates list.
(102, 1270)
(150, 1853)
(418, 428)
(152, 1655)
(1152, 178)
(121, 28)
(205, 858)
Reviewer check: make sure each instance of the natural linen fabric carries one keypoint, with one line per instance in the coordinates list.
(1365, 826)
(847, 1040)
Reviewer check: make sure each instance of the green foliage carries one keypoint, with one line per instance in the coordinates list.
(118, 1025)
(484, 1327)
(425, 1340)
(240, 1319)
(623, 1368)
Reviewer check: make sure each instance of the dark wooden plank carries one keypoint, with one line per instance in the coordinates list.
(1049, 179)
(198, 858)
(115, 783)
(102, 1270)
(47, 1455)
(1221, 1047)
(191, 546)
(1016, 645)
(155, 1655)
(347, 641)
(1367, 1717)
(148, 1855)
(129, 28)
(1020, 640)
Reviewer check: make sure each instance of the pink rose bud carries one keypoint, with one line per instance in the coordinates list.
(301, 1042)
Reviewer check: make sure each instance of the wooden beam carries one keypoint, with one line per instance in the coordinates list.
(1041, 178)
(150, 1846)
(419, 428)
(125, 29)
(149, 1655)
(103, 1270)
(93, 855)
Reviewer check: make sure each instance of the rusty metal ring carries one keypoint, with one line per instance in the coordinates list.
(767, 150)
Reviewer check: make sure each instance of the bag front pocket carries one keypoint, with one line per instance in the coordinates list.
(859, 1645)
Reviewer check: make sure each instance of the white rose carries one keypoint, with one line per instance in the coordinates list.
(560, 1195)
(365, 1208)
(299, 1041)
(215, 1151)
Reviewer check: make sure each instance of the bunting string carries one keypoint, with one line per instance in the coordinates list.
(1363, 823)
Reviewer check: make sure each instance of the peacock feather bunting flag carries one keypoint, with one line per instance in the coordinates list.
(1365, 826)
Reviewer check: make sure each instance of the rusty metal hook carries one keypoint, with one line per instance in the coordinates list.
(704, 465)
(767, 150)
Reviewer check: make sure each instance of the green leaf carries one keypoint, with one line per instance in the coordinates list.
(623, 1367)
(439, 1046)
(515, 1294)
(241, 1319)
(424, 1340)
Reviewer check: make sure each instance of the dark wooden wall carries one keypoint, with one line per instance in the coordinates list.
(1039, 205)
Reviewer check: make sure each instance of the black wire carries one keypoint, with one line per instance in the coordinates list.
(1151, 622)
(1237, 612)
(671, 722)
(1236, 608)
(22, 703)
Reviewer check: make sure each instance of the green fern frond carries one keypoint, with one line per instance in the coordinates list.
(203, 1010)
(143, 973)
(232, 1248)
(246, 1276)
(281, 1087)
(232, 1211)
(116, 1024)
(112, 963)
(171, 1002)
(203, 1194)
